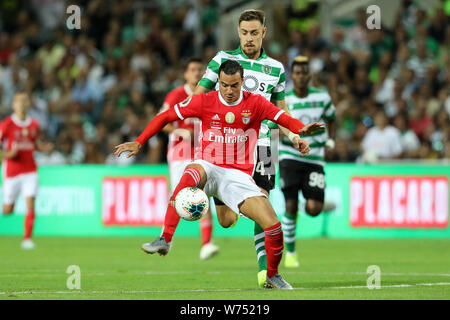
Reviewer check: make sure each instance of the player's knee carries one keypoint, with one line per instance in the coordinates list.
(291, 206)
(225, 217)
(202, 173)
(8, 208)
(313, 207)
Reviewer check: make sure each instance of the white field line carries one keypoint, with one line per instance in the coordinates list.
(216, 290)
(61, 272)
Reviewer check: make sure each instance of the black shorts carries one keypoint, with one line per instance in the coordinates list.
(307, 177)
(264, 174)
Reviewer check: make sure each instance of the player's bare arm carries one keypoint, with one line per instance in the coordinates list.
(12, 153)
(300, 144)
(200, 89)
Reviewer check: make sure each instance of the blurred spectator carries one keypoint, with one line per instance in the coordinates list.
(409, 141)
(49, 156)
(382, 141)
(97, 87)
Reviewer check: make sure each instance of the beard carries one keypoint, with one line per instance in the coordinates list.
(251, 52)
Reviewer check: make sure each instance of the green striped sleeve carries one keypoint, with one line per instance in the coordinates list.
(207, 83)
(282, 78)
(214, 66)
(278, 95)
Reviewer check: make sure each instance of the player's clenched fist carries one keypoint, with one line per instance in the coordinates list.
(301, 145)
(131, 147)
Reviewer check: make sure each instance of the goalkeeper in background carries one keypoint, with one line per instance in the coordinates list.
(306, 173)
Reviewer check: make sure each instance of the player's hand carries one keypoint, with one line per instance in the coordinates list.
(330, 144)
(301, 145)
(311, 128)
(131, 147)
(12, 153)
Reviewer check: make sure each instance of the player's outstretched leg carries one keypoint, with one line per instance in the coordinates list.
(259, 239)
(290, 229)
(27, 243)
(194, 176)
(8, 209)
(260, 210)
(209, 249)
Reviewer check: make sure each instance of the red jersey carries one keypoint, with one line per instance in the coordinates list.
(229, 132)
(179, 149)
(23, 135)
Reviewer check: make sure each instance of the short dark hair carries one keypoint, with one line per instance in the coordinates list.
(192, 60)
(230, 67)
(252, 14)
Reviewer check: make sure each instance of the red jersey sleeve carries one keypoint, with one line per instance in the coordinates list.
(269, 111)
(192, 107)
(3, 129)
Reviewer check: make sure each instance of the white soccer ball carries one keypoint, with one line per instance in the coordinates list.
(191, 203)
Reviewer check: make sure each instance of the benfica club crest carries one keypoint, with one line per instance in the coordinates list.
(246, 117)
(24, 132)
(267, 69)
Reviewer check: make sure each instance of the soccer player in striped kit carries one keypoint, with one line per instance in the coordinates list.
(305, 173)
(264, 76)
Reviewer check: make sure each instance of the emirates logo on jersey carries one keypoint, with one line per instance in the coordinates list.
(229, 117)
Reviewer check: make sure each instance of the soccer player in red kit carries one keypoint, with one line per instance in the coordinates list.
(180, 151)
(18, 136)
(231, 121)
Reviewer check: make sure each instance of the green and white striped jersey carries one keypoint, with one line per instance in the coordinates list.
(264, 76)
(315, 107)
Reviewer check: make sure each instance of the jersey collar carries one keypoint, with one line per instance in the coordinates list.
(19, 122)
(231, 104)
(188, 90)
(263, 54)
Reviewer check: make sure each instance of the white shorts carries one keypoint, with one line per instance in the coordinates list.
(176, 170)
(27, 183)
(231, 186)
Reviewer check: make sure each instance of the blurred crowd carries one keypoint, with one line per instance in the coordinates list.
(390, 86)
(99, 86)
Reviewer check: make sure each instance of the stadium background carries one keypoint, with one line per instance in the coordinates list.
(98, 86)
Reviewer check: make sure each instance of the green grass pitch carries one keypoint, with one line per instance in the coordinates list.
(116, 268)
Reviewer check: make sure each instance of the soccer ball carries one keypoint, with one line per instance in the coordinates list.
(191, 203)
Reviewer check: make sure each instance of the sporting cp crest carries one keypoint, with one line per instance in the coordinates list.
(267, 69)
(246, 117)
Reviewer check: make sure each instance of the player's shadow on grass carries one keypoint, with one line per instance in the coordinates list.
(328, 284)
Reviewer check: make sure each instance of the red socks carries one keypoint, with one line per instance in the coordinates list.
(274, 248)
(191, 178)
(206, 230)
(29, 223)
(170, 223)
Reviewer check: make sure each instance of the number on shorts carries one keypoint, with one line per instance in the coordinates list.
(260, 168)
(317, 179)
